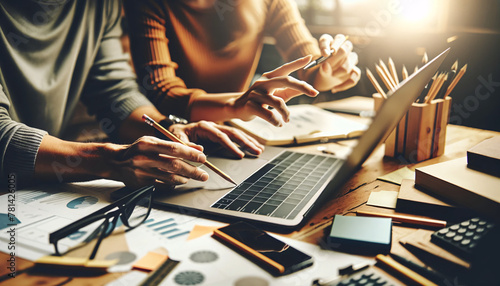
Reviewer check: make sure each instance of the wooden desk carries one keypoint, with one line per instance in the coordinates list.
(352, 197)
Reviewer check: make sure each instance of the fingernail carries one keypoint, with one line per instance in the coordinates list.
(313, 92)
(204, 177)
(202, 158)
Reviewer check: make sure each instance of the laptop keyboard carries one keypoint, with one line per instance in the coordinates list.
(282, 187)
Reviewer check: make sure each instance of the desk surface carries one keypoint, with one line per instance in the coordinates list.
(352, 197)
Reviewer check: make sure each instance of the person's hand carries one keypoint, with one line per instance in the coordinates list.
(224, 135)
(150, 160)
(340, 70)
(273, 89)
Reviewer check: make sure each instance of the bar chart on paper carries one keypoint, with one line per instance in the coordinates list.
(169, 226)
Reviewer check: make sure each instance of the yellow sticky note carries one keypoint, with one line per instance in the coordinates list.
(398, 176)
(386, 199)
(201, 230)
(150, 261)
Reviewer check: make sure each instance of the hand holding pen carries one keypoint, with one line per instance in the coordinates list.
(337, 63)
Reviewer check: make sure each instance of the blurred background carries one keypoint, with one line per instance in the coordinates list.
(406, 29)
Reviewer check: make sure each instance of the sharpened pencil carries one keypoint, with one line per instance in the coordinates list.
(455, 80)
(174, 138)
(404, 73)
(384, 78)
(388, 74)
(392, 69)
(375, 83)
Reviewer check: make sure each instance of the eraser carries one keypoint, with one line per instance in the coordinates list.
(361, 234)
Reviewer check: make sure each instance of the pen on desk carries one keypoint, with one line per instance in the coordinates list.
(321, 59)
(174, 138)
(424, 271)
(406, 219)
(403, 270)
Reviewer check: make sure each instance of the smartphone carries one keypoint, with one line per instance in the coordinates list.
(272, 254)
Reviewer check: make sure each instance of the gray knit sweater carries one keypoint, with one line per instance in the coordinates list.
(53, 53)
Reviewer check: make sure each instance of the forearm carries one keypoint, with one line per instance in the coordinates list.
(134, 126)
(213, 106)
(63, 161)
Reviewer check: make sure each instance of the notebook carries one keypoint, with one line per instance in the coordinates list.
(281, 188)
(308, 123)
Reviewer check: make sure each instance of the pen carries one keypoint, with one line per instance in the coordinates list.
(406, 219)
(407, 272)
(172, 137)
(431, 274)
(322, 59)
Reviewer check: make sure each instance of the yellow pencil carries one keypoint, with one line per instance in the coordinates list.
(174, 138)
(388, 74)
(455, 80)
(375, 83)
(385, 80)
(425, 58)
(392, 69)
(404, 73)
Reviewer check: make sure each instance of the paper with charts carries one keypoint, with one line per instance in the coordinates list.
(308, 123)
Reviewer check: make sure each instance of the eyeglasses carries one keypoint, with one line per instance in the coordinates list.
(133, 209)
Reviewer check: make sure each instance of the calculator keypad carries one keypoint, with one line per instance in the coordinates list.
(463, 238)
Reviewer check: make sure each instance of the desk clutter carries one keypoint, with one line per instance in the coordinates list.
(421, 133)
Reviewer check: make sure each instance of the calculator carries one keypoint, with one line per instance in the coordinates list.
(464, 239)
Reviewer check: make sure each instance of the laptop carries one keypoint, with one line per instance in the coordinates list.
(281, 187)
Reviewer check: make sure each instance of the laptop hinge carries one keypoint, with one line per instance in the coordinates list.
(307, 212)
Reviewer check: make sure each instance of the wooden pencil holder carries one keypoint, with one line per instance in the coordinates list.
(421, 133)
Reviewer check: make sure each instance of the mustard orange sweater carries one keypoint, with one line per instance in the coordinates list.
(180, 51)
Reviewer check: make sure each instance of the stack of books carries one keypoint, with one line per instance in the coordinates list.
(470, 182)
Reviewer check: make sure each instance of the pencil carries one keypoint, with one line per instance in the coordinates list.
(455, 80)
(375, 83)
(424, 271)
(404, 73)
(433, 93)
(425, 58)
(433, 88)
(388, 74)
(406, 219)
(407, 272)
(174, 138)
(321, 59)
(392, 69)
(385, 80)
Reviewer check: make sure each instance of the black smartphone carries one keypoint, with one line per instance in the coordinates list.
(273, 255)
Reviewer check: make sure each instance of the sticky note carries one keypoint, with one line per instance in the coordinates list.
(385, 199)
(150, 261)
